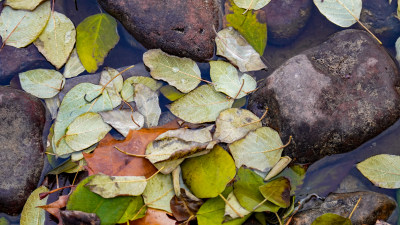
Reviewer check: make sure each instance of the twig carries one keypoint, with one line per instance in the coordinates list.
(283, 146)
(354, 209)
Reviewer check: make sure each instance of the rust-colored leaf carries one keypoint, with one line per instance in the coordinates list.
(184, 208)
(55, 207)
(154, 217)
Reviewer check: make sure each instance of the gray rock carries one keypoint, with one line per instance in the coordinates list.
(22, 118)
(332, 98)
(182, 28)
(372, 207)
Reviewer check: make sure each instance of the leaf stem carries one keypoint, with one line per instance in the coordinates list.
(229, 204)
(259, 120)
(354, 209)
(283, 146)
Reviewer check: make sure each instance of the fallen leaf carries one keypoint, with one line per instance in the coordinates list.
(159, 192)
(113, 186)
(171, 93)
(343, 13)
(30, 212)
(73, 67)
(234, 208)
(251, 4)
(154, 217)
(277, 191)
(42, 83)
(52, 105)
(78, 217)
(114, 81)
(54, 208)
(397, 46)
(4, 221)
(123, 120)
(128, 90)
(184, 208)
(278, 167)
(23, 4)
(295, 174)
(147, 104)
(330, 218)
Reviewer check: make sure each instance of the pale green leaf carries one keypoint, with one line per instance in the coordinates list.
(74, 66)
(330, 218)
(42, 83)
(260, 149)
(231, 45)
(127, 92)
(114, 81)
(233, 208)
(201, 105)
(382, 170)
(171, 93)
(295, 174)
(147, 104)
(31, 214)
(57, 39)
(19, 28)
(85, 131)
(113, 186)
(52, 105)
(23, 4)
(251, 4)
(159, 192)
(96, 36)
(123, 120)
(277, 191)
(398, 8)
(182, 73)
(343, 13)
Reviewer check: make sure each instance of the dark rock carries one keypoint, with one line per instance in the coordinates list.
(182, 28)
(286, 19)
(380, 17)
(332, 98)
(22, 118)
(372, 207)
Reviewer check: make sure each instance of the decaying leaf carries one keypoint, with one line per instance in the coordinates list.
(147, 104)
(123, 120)
(184, 208)
(182, 73)
(295, 174)
(73, 67)
(128, 90)
(42, 83)
(343, 13)
(54, 208)
(231, 45)
(234, 208)
(31, 212)
(23, 4)
(277, 191)
(330, 218)
(78, 217)
(112, 80)
(251, 4)
(159, 192)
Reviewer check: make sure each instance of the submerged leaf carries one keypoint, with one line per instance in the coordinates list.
(147, 104)
(277, 191)
(31, 212)
(233, 208)
(340, 12)
(23, 4)
(159, 192)
(74, 66)
(123, 120)
(330, 218)
(4, 221)
(113, 186)
(114, 81)
(251, 4)
(127, 92)
(42, 83)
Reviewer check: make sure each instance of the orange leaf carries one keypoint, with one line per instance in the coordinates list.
(55, 207)
(154, 217)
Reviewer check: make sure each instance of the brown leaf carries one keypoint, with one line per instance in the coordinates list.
(184, 208)
(154, 217)
(55, 207)
(78, 217)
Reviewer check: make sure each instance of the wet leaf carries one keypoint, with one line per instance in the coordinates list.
(233, 202)
(19, 28)
(55, 207)
(250, 151)
(42, 83)
(171, 93)
(226, 79)
(182, 73)
(382, 170)
(113, 186)
(159, 192)
(207, 175)
(78, 217)
(52, 105)
(154, 217)
(246, 190)
(121, 120)
(147, 104)
(123, 208)
(183, 207)
(57, 39)
(340, 12)
(96, 36)
(231, 45)
(23, 4)
(277, 191)
(4, 221)
(251, 4)
(114, 87)
(201, 105)
(250, 25)
(234, 124)
(295, 174)
(127, 92)
(85, 131)
(30, 212)
(278, 167)
(330, 218)
(73, 67)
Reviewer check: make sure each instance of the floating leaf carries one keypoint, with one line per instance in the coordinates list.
(231, 45)
(96, 36)
(159, 192)
(234, 124)
(185, 208)
(233, 208)
(251, 25)
(23, 4)
(123, 208)
(123, 120)
(52, 105)
(147, 104)
(201, 105)
(382, 170)
(57, 40)
(260, 149)
(42, 83)
(128, 90)
(171, 93)
(182, 73)
(77, 217)
(113, 186)
(207, 175)
(295, 174)
(251, 4)
(277, 191)
(85, 131)
(74, 66)
(340, 12)
(247, 193)
(330, 218)
(19, 28)
(114, 81)
(31, 212)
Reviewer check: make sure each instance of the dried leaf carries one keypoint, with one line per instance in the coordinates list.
(42, 83)
(55, 207)
(277, 191)
(183, 207)
(147, 104)
(154, 217)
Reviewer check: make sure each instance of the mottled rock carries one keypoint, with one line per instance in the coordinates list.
(372, 207)
(182, 28)
(331, 98)
(22, 119)
(286, 19)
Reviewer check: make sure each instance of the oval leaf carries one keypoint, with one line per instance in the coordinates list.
(277, 192)
(114, 81)
(251, 4)
(127, 92)
(147, 104)
(42, 83)
(340, 12)
(330, 218)
(123, 120)
(74, 66)
(159, 192)
(31, 212)
(23, 4)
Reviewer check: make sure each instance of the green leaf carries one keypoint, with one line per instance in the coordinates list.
(330, 218)
(260, 149)
(123, 208)
(85, 131)
(127, 92)
(382, 170)
(96, 36)
(182, 73)
(19, 28)
(123, 120)
(295, 174)
(201, 105)
(226, 79)
(277, 191)
(207, 175)
(23, 4)
(42, 83)
(31, 214)
(147, 104)
(57, 39)
(113, 186)
(251, 4)
(159, 192)
(4, 221)
(246, 190)
(340, 12)
(248, 25)
(115, 86)
(171, 93)
(233, 208)
(74, 66)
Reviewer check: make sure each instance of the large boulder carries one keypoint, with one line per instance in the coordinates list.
(22, 118)
(331, 98)
(179, 27)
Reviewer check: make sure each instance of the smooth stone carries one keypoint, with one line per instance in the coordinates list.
(372, 207)
(22, 118)
(331, 98)
(180, 27)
